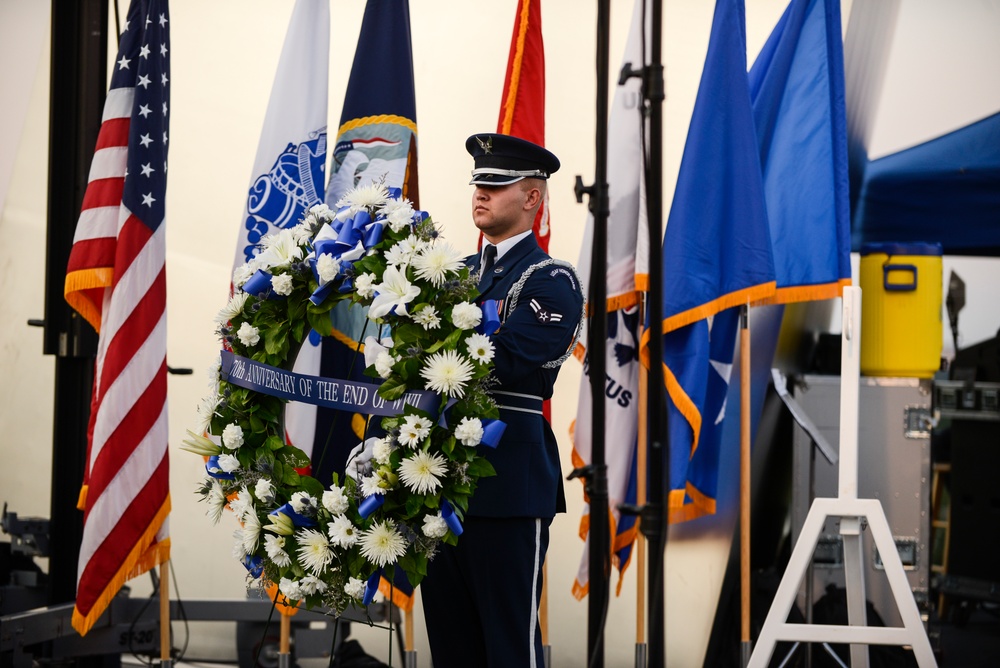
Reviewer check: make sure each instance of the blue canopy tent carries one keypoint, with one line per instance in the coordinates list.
(945, 190)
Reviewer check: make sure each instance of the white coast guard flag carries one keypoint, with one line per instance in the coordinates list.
(627, 278)
(289, 173)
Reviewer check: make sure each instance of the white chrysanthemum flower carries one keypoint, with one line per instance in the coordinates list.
(327, 267)
(447, 372)
(282, 284)
(322, 212)
(216, 502)
(303, 504)
(382, 544)
(355, 588)
(415, 428)
(239, 549)
(469, 431)
(240, 503)
(303, 232)
(420, 472)
(480, 348)
(243, 273)
(248, 335)
(427, 317)
(213, 373)
(466, 315)
(342, 532)
(371, 196)
(434, 526)
(383, 364)
(399, 212)
(232, 436)
(232, 309)
(400, 254)
(275, 548)
(290, 589)
(372, 485)
(264, 490)
(280, 250)
(251, 530)
(311, 584)
(335, 501)
(435, 263)
(314, 550)
(364, 285)
(395, 291)
(206, 409)
(381, 451)
(228, 463)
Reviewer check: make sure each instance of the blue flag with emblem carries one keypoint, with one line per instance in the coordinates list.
(716, 256)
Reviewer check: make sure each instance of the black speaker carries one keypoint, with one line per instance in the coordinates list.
(975, 500)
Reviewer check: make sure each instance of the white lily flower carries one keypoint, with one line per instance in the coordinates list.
(394, 291)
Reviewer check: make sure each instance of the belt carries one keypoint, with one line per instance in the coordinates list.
(522, 403)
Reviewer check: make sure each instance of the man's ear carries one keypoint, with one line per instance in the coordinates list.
(532, 198)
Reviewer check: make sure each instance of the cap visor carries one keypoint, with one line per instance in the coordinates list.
(493, 180)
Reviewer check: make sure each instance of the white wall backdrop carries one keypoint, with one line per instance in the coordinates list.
(224, 56)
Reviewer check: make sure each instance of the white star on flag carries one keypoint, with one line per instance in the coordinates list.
(145, 140)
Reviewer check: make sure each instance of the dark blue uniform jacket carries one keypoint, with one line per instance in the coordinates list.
(539, 329)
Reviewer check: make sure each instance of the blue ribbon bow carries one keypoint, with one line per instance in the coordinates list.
(491, 318)
(254, 564)
(371, 587)
(259, 285)
(297, 520)
(492, 431)
(214, 470)
(450, 518)
(370, 505)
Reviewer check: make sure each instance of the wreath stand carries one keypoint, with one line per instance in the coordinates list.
(854, 514)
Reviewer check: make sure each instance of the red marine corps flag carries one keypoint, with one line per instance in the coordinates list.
(116, 280)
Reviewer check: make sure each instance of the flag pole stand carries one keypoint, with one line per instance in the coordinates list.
(285, 642)
(410, 654)
(543, 616)
(165, 659)
(854, 513)
(745, 644)
(640, 500)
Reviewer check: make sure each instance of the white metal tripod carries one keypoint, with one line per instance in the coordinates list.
(853, 512)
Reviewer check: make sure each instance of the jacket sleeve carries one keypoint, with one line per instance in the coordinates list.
(542, 326)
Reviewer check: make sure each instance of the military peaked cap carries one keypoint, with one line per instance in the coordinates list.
(503, 159)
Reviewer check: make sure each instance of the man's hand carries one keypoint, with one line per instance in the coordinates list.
(360, 457)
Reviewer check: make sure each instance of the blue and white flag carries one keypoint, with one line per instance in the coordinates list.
(627, 277)
(289, 173)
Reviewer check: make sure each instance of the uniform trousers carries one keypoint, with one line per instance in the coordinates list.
(481, 597)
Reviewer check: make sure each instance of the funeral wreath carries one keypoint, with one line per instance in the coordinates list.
(326, 543)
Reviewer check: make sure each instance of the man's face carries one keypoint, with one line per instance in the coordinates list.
(500, 212)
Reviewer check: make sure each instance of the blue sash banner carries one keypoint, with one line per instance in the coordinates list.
(345, 395)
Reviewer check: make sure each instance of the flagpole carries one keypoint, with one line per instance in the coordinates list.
(410, 657)
(640, 500)
(596, 473)
(745, 645)
(165, 660)
(285, 641)
(543, 616)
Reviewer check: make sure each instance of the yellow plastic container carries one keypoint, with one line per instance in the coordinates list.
(901, 328)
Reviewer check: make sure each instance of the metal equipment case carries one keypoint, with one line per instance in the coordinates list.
(894, 466)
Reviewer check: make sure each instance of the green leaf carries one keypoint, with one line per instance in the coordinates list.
(290, 477)
(257, 425)
(413, 505)
(481, 467)
(274, 442)
(392, 389)
(294, 457)
(320, 321)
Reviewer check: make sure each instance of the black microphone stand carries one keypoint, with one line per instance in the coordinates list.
(596, 474)
(653, 515)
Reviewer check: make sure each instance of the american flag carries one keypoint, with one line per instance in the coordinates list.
(116, 280)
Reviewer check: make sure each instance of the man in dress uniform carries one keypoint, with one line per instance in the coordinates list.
(481, 597)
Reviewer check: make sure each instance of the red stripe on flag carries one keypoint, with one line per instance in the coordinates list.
(127, 436)
(132, 238)
(114, 133)
(91, 253)
(135, 330)
(103, 192)
(135, 523)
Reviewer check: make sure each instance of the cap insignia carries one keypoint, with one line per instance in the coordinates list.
(487, 145)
